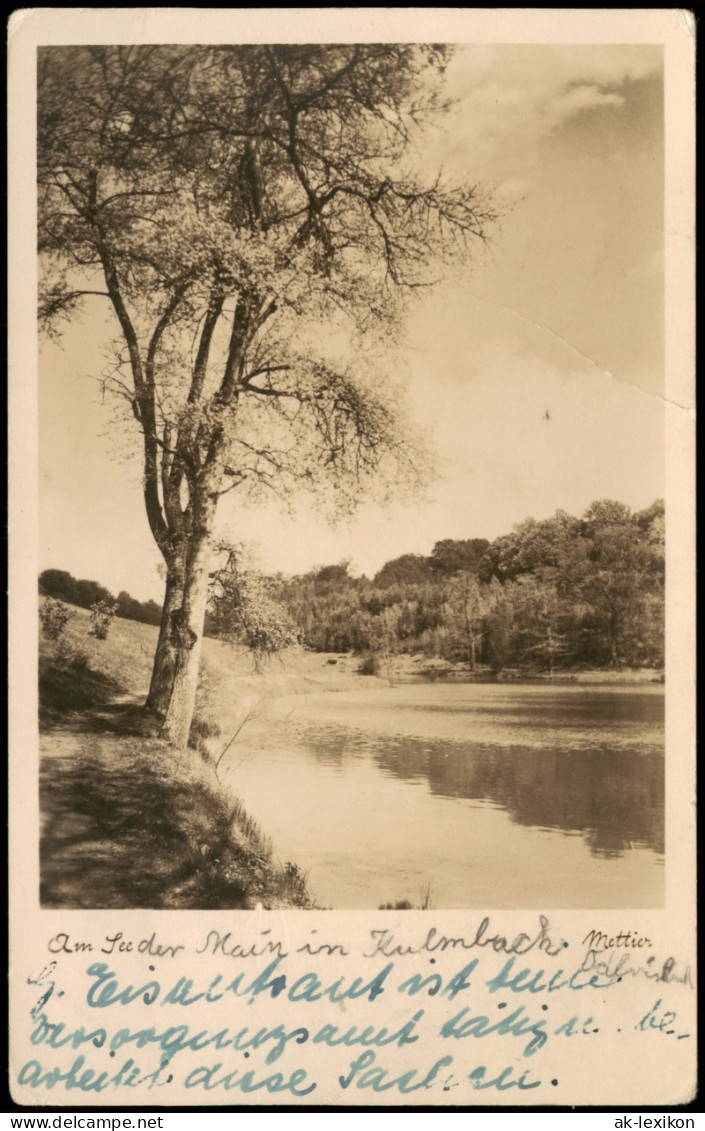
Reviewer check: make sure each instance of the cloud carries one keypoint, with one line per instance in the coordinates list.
(546, 70)
(582, 97)
(509, 99)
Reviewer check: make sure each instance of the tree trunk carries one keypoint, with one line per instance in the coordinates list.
(187, 624)
(178, 656)
(472, 651)
(188, 631)
(165, 655)
(614, 635)
(472, 659)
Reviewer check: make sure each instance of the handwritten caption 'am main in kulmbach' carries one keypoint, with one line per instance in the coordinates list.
(225, 1020)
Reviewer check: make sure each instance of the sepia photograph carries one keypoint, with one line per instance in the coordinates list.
(351, 468)
(351, 400)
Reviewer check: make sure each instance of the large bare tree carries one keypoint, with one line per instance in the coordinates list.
(244, 210)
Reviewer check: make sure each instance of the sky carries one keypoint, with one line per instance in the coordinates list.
(538, 377)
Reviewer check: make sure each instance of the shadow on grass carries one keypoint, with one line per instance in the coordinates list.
(119, 832)
(63, 689)
(127, 821)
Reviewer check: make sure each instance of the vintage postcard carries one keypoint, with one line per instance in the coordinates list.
(352, 558)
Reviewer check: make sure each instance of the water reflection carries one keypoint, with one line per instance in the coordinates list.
(594, 769)
(570, 709)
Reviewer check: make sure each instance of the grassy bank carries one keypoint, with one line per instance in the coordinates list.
(127, 821)
(418, 666)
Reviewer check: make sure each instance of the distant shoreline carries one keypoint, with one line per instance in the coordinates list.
(416, 667)
(302, 671)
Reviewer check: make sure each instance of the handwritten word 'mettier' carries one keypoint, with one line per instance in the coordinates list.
(598, 940)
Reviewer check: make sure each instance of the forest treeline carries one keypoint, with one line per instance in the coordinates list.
(556, 593)
(61, 585)
(561, 592)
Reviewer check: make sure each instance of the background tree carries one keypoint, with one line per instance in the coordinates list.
(58, 583)
(466, 602)
(88, 593)
(498, 632)
(243, 607)
(102, 616)
(383, 637)
(54, 617)
(244, 210)
(540, 615)
(588, 589)
(452, 554)
(622, 564)
(409, 569)
(82, 592)
(550, 549)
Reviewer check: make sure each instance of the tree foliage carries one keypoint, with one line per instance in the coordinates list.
(102, 615)
(244, 609)
(549, 604)
(229, 200)
(452, 554)
(54, 617)
(59, 583)
(557, 593)
(255, 220)
(405, 570)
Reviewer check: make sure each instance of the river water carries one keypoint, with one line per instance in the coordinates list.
(468, 795)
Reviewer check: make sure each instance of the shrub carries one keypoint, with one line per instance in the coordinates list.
(295, 883)
(74, 659)
(55, 617)
(201, 730)
(102, 616)
(369, 666)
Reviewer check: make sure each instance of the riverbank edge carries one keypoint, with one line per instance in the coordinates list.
(414, 666)
(91, 723)
(184, 836)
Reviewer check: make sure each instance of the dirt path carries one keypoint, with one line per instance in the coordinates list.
(96, 819)
(124, 822)
(128, 821)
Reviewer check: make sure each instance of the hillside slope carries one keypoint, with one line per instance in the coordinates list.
(127, 821)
